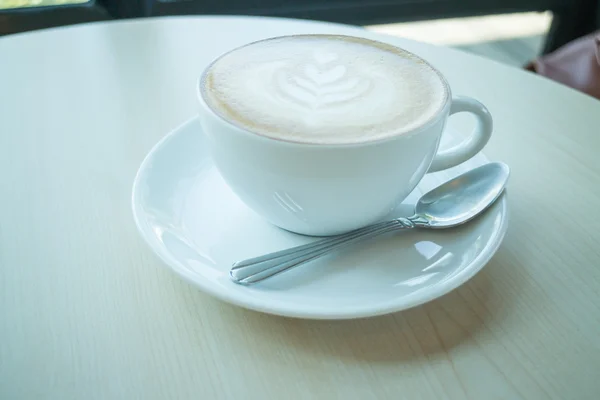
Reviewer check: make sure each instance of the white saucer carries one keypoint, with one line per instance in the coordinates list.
(198, 227)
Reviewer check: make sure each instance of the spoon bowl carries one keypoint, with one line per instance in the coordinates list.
(464, 197)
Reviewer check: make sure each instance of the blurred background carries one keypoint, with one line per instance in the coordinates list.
(509, 31)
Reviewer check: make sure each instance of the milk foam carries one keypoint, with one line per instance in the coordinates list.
(323, 89)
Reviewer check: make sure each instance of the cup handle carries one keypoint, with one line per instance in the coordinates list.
(472, 145)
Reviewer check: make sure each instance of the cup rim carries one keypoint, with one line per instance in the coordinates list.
(445, 105)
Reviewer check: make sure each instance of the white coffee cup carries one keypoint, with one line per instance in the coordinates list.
(326, 189)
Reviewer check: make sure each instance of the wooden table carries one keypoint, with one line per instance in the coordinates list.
(88, 312)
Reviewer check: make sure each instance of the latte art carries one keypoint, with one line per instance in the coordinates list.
(323, 89)
(315, 89)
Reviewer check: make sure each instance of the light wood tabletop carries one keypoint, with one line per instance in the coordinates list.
(87, 311)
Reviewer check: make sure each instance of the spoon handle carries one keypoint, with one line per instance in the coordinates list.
(256, 269)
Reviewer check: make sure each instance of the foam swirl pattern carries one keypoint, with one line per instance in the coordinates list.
(323, 89)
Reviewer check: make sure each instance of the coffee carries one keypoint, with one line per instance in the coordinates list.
(324, 89)
(292, 125)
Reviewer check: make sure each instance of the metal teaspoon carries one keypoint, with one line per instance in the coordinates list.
(451, 204)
